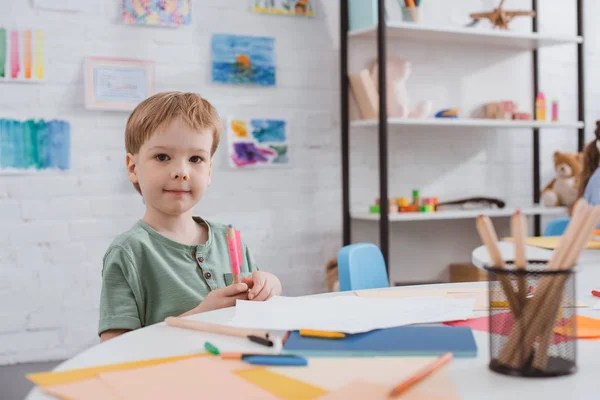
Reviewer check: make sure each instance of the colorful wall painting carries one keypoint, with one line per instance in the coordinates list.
(304, 8)
(21, 55)
(243, 60)
(258, 142)
(170, 13)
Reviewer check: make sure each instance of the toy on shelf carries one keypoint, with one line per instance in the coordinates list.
(404, 204)
(540, 107)
(398, 71)
(499, 17)
(447, 113)
(562, 190)
(554, 110)
(471, 203)
(410, 10)
(506, 110)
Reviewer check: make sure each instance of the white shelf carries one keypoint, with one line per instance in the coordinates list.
(468, 122)
(470, 36)
(460, 214)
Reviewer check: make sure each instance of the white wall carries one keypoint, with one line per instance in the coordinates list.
(56, 227)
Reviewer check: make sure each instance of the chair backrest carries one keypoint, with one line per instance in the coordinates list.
(361, 266)
(556, 227)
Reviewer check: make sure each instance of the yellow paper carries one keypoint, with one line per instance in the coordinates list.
(191, 379)
(88, 389)
(551, 242)
(282, 386)
(587, 328)
(56, 378)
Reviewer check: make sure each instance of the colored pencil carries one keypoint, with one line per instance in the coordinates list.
(423, 373)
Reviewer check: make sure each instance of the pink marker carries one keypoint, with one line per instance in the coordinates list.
(233, 237)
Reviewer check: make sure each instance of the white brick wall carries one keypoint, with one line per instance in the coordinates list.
(56, 227)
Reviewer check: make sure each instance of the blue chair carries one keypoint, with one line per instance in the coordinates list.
(361, 266)
(556, 227)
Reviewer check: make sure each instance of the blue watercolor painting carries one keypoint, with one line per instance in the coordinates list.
(243, 60)
(268, 130)
(34, 144)
(258, 142)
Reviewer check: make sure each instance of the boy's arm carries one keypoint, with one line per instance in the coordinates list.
(112, 333)
(120, 299)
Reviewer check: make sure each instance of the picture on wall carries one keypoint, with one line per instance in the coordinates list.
(116, 83)
(304, 8)
(243, 60)
(21, 55)
(257, 142)
(34, 145)
(171, 13)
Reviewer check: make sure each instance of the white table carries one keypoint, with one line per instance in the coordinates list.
(471, 376)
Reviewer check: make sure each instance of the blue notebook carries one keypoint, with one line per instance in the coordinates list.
(411, 340)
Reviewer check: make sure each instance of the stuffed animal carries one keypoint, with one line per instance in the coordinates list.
(563, 189)
(589, 183)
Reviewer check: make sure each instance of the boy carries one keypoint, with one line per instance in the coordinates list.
(171, 263)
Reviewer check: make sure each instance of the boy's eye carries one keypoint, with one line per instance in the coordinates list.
(161, 157)
(196, 159)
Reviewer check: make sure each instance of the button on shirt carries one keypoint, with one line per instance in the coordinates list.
(147, 277)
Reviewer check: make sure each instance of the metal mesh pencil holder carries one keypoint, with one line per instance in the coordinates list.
(532, 320)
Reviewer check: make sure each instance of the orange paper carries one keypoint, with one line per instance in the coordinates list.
(586, 328)
(195, 378)
(89, 389)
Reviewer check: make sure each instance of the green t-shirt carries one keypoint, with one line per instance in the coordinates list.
(147, 277)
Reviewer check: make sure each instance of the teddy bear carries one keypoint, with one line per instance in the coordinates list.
(563, 189)
(332, 282)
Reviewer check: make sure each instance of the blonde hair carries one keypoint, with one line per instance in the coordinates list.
(161, 109)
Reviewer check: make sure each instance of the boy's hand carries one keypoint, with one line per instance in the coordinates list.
(263, 286)
(221, 298)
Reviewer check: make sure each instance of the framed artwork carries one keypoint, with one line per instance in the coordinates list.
(302, 8)
(116, 83)
(243, 60)
(22, 55)
(257, 142)
(170, 13)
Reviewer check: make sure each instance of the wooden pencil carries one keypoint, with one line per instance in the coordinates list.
(490, 239)
(519, 232)
(423, 373)
(215, 328)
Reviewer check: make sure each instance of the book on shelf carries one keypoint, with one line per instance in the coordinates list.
(365, 93)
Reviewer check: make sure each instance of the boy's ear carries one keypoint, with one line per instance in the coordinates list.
(130, 162)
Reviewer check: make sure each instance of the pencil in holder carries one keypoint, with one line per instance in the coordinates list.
(409, 13)
(538, 340)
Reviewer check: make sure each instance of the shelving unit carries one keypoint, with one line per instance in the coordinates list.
(382, 32)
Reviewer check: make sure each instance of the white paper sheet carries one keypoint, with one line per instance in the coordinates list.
(349, 314)
(597, 306)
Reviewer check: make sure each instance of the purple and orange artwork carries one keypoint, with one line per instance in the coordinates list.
(257, 143)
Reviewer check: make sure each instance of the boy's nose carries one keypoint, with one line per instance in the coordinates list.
(180, 175)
